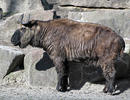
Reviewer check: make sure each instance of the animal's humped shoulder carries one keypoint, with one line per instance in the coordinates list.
(63, 21)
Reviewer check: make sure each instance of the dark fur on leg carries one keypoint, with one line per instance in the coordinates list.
(62, 84)
(109, 74)
(62, 73)
(109, 87)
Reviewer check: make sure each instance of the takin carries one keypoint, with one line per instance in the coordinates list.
(67, 40)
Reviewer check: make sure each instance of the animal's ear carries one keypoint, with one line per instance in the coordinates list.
(30, 23)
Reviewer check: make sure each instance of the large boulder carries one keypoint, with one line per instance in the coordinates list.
(8, 26)
(93, 3)
(19, 6)
(118, 20)
(127, 45)
(10, 59)
(39, 69)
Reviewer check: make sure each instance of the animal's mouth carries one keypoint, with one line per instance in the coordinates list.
(15, 43)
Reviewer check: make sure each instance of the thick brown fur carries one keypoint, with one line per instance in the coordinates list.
(67, 40)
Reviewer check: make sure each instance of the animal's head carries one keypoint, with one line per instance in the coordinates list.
(24, 35)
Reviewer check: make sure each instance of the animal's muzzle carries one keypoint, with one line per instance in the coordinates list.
(14, 41)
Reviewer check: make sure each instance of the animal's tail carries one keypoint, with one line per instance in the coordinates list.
(122, 43)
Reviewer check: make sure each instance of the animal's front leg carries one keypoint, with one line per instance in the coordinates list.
(62, 83)
(62, 75)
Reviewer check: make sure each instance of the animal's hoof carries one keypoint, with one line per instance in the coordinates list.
(109, 91)
(105, 90)
(62, 89)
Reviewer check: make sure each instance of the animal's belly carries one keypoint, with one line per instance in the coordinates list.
(80, 59)
(86, 60)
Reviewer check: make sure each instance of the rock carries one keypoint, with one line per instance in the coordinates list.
(15, 78)
(38, 15)
(8, 26)
(62, 7)
(18, 6)
(94, 3)
(127, 45)
(116, 19)
(10, 58)
(39, 69)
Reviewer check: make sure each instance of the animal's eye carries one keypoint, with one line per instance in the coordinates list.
(23, 30)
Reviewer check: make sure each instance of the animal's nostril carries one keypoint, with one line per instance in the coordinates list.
(12, 41)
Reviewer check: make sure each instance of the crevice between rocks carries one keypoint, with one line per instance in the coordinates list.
(82, 7)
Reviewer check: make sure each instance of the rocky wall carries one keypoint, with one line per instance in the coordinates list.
(19, 6)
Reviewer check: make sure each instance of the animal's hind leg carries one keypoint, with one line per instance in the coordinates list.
(109, 74)
(62, 74)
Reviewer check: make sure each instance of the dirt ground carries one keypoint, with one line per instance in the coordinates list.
(88, 92)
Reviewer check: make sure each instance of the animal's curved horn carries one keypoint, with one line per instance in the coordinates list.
(20, 20)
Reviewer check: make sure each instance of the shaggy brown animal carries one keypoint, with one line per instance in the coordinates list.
(67, 40)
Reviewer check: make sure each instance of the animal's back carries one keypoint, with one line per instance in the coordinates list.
(77, 29)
